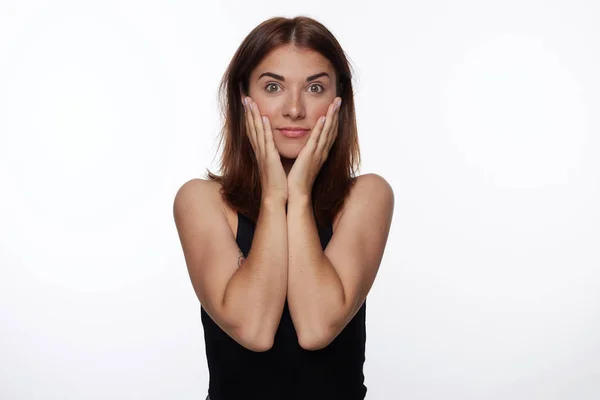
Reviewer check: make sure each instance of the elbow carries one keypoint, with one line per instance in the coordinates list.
(315, 339)
(256, 340)
(259, 345)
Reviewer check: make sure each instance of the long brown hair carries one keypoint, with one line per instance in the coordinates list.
(239, 179)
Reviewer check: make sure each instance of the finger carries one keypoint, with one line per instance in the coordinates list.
(258, 126)
(313, 139)
(251, 132)
(319, 130)
(268, 132)
(256, 121)
(332, 136)
(327, 128)
(334, 132)
(248, 132)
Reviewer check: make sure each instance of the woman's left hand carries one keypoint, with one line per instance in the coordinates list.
(313, 155)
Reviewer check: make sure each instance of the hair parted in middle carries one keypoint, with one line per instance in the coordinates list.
(239, 178)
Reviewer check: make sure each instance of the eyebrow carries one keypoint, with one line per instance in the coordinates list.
(281, 78)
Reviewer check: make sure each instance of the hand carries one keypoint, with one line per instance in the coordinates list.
(313, 155)
(272, 175)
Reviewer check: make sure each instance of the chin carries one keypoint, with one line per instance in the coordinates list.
(290, 154)
(290, 150)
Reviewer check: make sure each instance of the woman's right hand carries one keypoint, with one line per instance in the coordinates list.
(272, 175)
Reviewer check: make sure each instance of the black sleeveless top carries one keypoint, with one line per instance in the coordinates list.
(286, 371)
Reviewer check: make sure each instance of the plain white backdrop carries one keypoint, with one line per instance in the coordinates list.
(483, 116)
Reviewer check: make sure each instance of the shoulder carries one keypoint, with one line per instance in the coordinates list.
(371, 191)
(197, 192)
(197, 189)
(368, 191)
(206, 194)
(367, 183)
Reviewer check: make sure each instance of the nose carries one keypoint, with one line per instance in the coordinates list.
(294, 106)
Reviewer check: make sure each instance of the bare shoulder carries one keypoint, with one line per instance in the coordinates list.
(206, 194)
(211, 253)
(367, 183)
(369, 190)
(197, 189)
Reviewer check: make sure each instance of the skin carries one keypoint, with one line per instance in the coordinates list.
(325, 287)
(294, 101)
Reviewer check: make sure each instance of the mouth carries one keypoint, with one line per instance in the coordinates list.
(293, 132)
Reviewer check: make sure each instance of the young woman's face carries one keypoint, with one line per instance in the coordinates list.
(293, 87)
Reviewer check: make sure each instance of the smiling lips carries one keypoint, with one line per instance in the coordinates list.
(293, 132)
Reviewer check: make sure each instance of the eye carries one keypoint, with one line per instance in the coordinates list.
(315, 85)
(271, 85)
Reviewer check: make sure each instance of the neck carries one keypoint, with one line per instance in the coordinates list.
(287, 164)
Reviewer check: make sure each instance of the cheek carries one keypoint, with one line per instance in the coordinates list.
(267, 108)
(320, 111)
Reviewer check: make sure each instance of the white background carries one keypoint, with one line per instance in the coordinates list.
(483, 116)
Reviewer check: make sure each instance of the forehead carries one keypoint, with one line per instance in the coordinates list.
(294, 63)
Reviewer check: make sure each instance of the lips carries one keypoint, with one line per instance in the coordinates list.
(293, 132)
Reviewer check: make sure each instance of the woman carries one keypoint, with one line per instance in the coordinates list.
(283, 247)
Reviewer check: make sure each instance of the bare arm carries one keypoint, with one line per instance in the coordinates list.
(256, 292)
(327, 288)
(245, 301)
(315, 290)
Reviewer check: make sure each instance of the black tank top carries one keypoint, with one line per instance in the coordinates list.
(286, 371)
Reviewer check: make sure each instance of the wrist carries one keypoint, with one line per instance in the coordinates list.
(299, 199)
(273, 201)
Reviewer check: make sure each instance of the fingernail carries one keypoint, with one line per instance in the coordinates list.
(339, 102)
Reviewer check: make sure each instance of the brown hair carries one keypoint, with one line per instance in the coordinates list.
(240, 180)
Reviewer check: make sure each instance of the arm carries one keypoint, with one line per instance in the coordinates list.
(247, 301)
(327, 288)
(256, 292)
